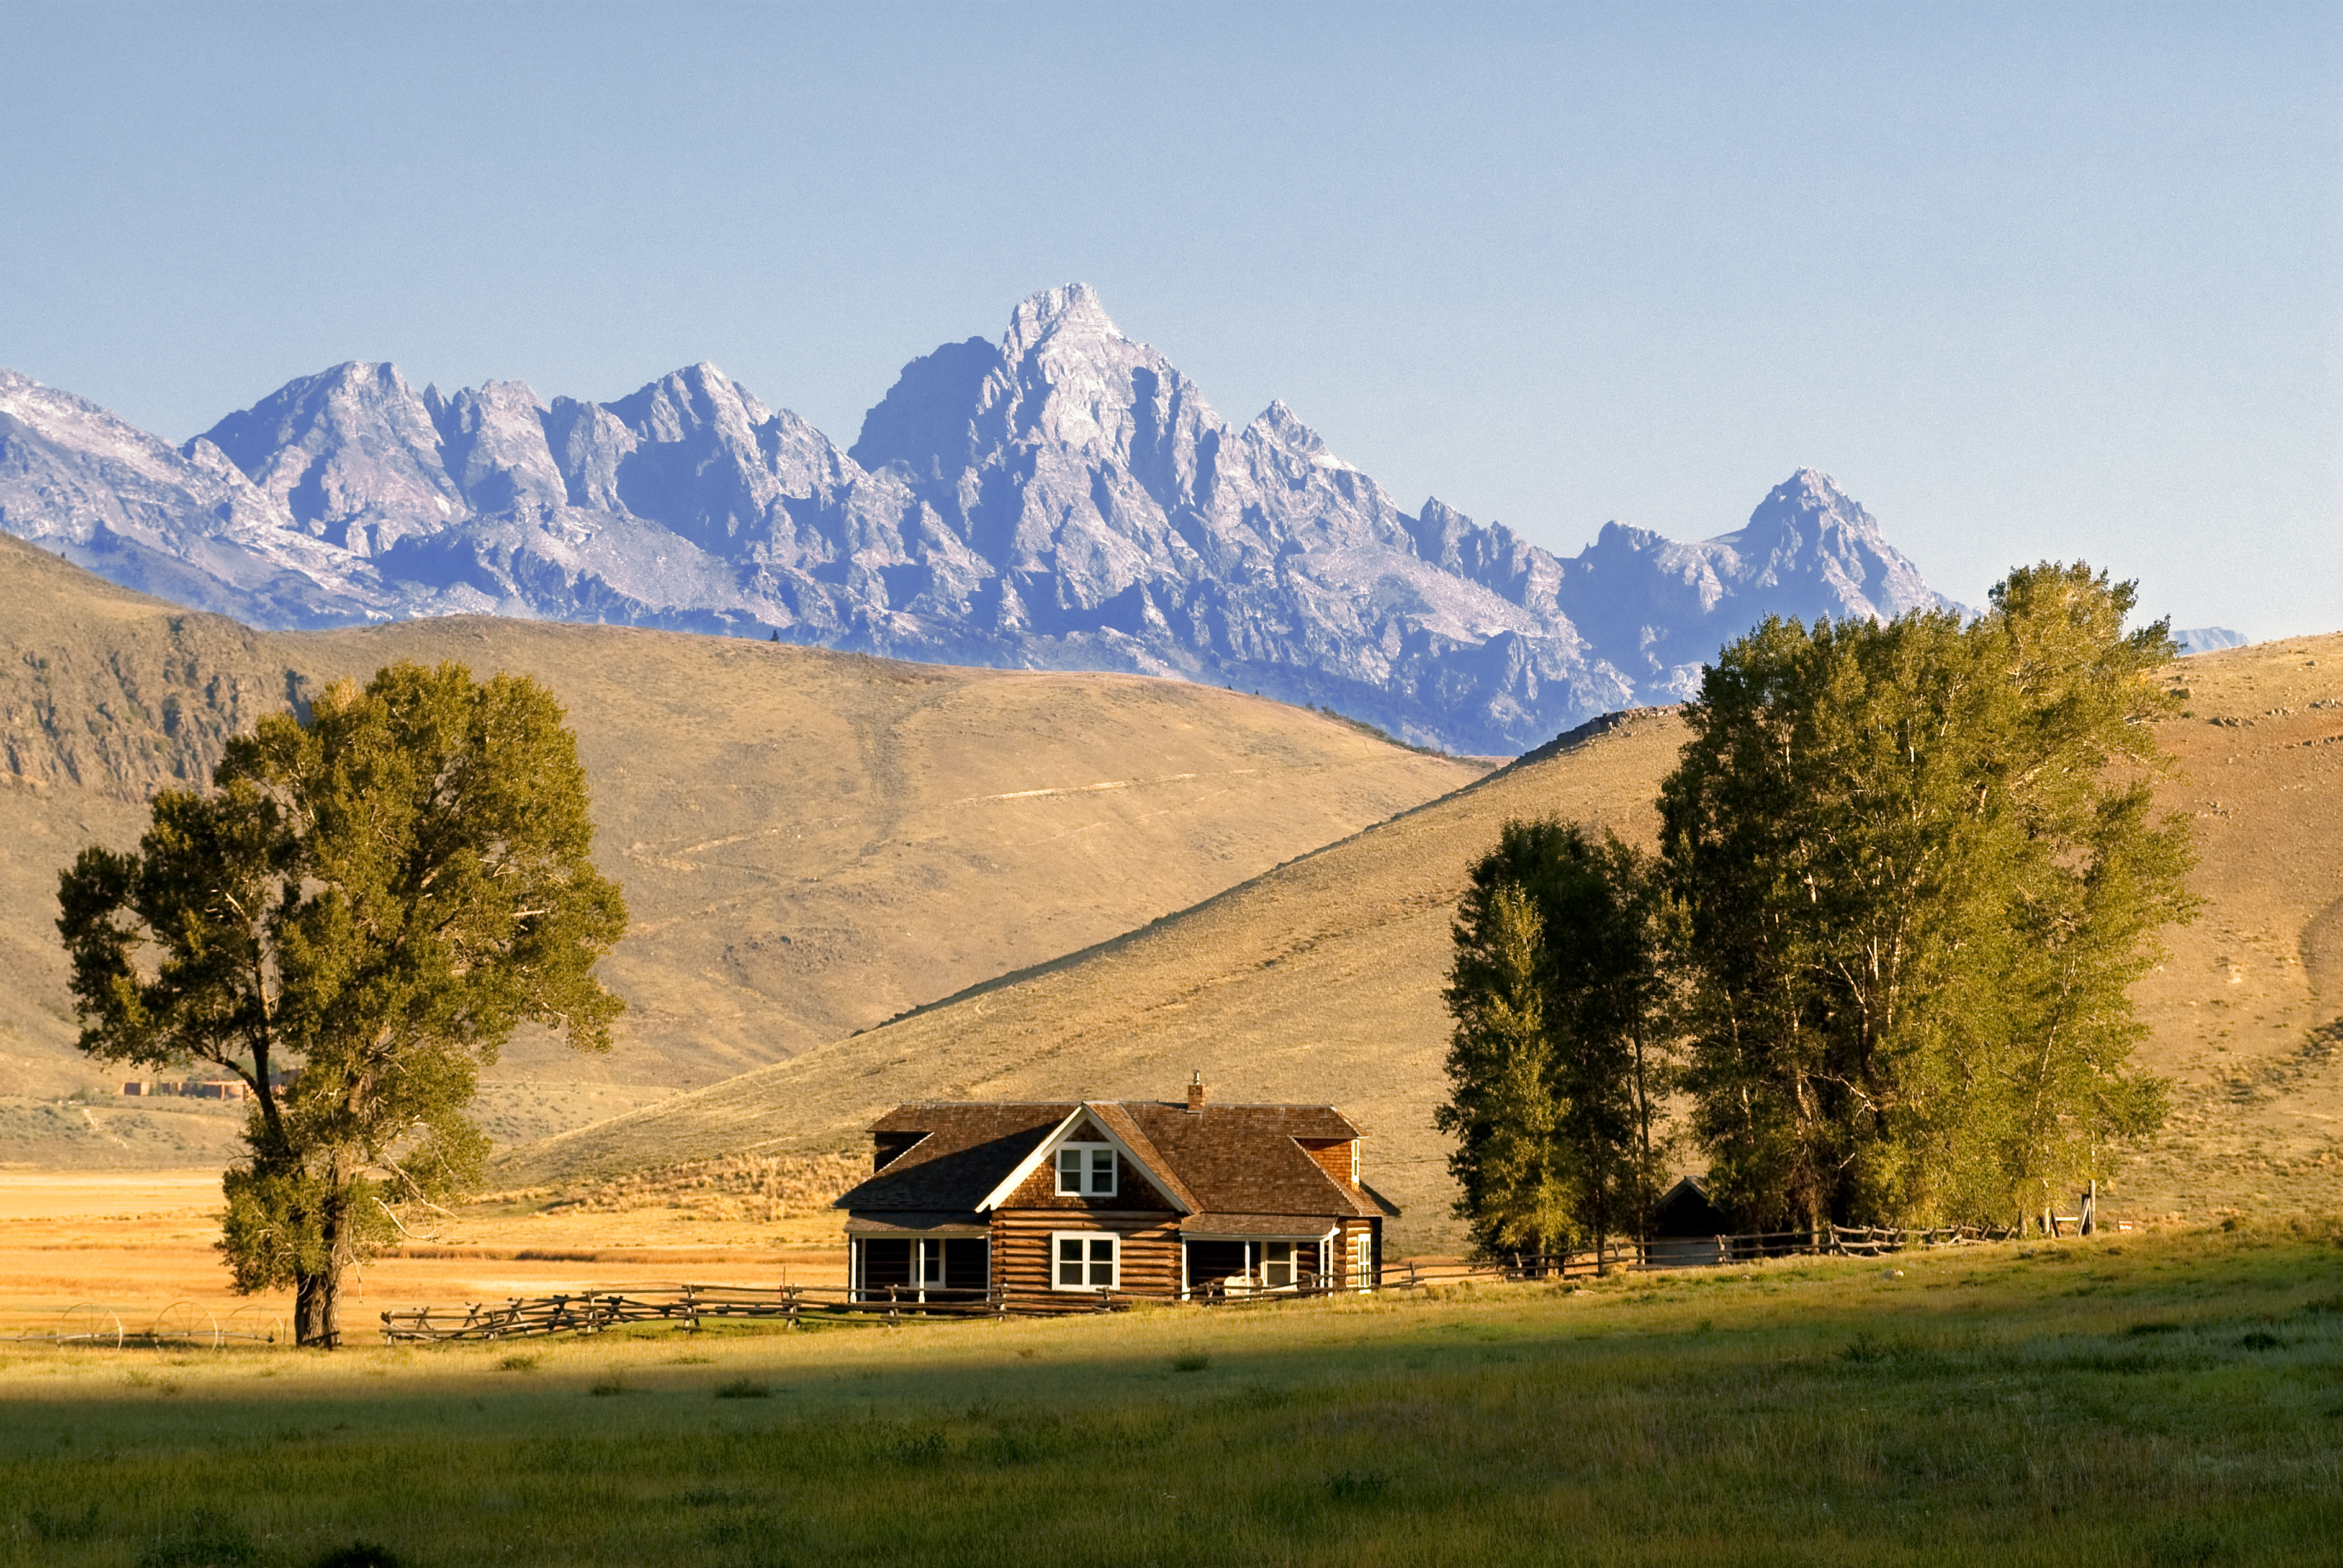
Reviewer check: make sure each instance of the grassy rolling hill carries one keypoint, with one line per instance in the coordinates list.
(811, 842)
(1321, 979)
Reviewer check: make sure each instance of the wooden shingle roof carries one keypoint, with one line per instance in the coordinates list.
(967, 1149)
(1226, 1160)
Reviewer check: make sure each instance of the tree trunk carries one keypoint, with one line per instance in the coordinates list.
(316, 1300)
(317, 1296)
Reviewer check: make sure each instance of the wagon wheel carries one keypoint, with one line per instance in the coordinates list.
(89, 1324)
(184, 1322)
(256, 1323)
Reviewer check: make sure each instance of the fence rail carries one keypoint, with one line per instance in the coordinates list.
(588, 1312)
(591, 1311)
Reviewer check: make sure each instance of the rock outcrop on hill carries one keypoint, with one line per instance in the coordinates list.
(1063, 499)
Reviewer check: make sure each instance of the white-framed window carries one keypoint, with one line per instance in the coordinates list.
(1361, 1273)
(1085, 1170)
(1085, 1261)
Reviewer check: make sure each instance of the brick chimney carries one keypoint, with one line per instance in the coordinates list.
(1196, 1090)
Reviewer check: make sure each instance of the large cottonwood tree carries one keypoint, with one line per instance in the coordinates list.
(1916, 868)
(353, 921)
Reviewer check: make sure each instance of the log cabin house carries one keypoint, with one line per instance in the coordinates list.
(1051, 1204)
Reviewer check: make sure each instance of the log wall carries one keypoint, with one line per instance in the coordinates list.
(1022, 1262)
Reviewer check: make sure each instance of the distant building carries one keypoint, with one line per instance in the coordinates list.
(192, 1088)
(1688, 1228)
(1050, 1204)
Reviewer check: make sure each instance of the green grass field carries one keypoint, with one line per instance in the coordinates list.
(2135, 1400)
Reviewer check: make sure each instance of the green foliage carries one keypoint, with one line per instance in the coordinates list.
(374, 899)
(1554, 1068)
(1917, 871)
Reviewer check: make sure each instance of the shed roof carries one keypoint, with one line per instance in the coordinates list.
(1686, 1209)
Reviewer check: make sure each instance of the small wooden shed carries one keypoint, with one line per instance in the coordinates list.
(1686, 1227)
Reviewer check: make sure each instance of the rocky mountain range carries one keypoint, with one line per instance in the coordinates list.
(1062, 498)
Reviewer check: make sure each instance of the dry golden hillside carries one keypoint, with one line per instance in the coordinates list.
(2247, 1014)
(810, 843)
(1321, 979)
(1317, 981)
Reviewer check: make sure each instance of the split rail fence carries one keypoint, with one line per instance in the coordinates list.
(692, 1306)
(190, 1324)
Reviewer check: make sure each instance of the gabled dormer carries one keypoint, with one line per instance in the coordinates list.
(1338, 1156)
(1094, 1158)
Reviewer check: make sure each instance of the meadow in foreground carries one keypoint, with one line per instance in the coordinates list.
(2138, 1399)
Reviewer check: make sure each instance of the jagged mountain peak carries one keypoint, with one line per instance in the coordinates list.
(489, 395)
(696, 397)
(1072, 311)
(1281, 424)
(352, 452)
(1809, 498)
(1820, 553)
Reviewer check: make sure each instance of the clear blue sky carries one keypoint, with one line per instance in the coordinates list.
(2032, 281)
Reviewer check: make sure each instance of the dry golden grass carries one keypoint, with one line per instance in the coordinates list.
(1321, 979)
(758, 1188)
(137, 1243)
(2247, 1015)
(810, 843)
(813, 842)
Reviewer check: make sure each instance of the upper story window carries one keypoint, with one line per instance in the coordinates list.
(1085, 1170)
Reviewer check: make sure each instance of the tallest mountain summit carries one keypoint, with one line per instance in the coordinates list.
(1075, 311)
(1061, 498)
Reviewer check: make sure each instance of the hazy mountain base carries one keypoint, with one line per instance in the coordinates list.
(1321, 980)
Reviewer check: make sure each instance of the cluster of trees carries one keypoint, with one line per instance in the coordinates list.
(353, 921)
(1907, 873)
